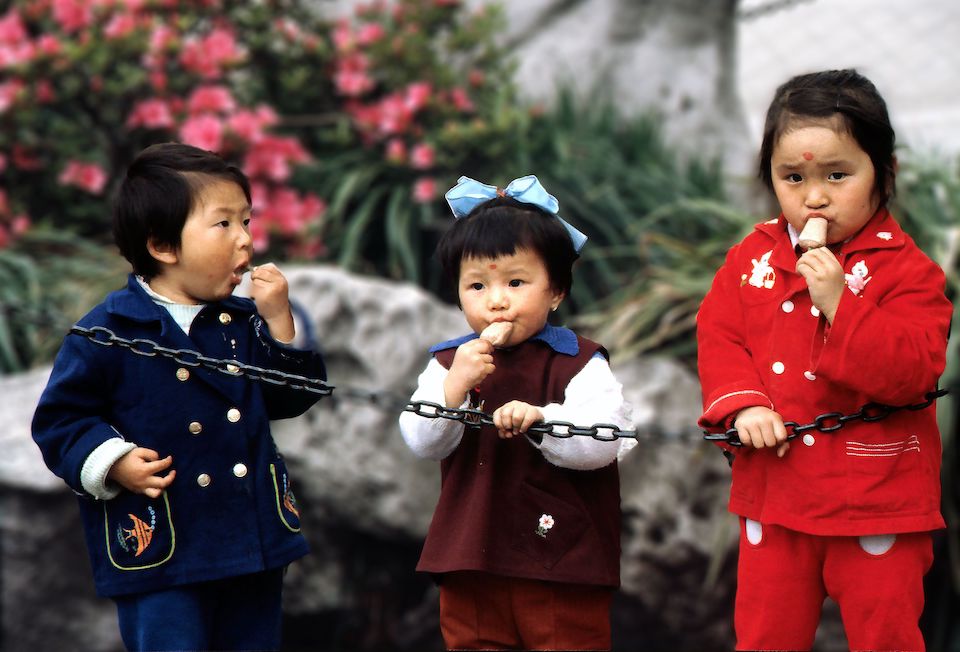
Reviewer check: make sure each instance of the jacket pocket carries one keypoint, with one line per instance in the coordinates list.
(286, 502)
(544, 526)
(139, 532)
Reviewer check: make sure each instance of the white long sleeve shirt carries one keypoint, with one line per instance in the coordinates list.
(593, 397)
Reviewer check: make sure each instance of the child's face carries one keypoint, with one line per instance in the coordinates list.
(820, 171)
(514, 288)
(215, 248)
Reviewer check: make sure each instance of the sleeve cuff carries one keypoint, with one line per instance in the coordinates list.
(93, 475)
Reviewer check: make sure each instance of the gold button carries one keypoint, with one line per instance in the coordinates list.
(225, 318)
(233, 415)
(195, 427)
(183, 373)
(240, 470)
(232, 368)
(203, 480)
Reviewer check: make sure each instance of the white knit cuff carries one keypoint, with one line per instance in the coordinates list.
(93, 475)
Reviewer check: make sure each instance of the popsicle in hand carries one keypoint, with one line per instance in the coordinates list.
(814, 234)
(497, 332)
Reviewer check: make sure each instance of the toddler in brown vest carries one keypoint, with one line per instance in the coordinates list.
(525, 538)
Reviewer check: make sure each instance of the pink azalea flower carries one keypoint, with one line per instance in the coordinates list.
(421, 156)
(12, 30)
(215, 99)
(249, 125)
(158, 80)
(208, 56)
(20, 224)
(203, 131)
(351, 77)
(370, 33)
(342, 36)
(395, 115)
(151, 114)
(9, 91)
(14, 55)
(162, 37)
(49, 45)
(89, 177)
(417, 95)
(396, 150)
(120, 26)
(72, 15)
(424, 190)
(271, 157)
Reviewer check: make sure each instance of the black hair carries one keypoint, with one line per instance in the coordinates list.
(842, 95)
(157, 194)
(501, 227)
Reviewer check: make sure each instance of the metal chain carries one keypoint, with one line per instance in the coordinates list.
(833, 421)
(189, 358)
(475, 418)
(472, 418)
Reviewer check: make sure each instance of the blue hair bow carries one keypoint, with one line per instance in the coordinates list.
(470, 193)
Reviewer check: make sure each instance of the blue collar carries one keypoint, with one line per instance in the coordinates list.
(562, 340)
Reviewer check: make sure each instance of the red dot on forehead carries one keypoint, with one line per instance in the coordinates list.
(492, 266)
(808, 156)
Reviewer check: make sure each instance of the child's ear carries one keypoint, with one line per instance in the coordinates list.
(558, 297)
(162, 251)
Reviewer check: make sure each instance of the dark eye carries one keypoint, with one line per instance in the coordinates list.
(794, 178)
(836, 176)
(515, 283)
(224, 223)
(476, 286)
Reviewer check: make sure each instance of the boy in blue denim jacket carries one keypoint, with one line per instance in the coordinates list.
(186, 502)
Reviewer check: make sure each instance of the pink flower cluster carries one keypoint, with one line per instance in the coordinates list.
(396, 119)
(208, 115)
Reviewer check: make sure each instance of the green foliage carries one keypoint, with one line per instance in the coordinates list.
(48, 280)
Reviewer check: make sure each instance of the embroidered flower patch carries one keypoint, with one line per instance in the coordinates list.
(858, 279)
(545, 524)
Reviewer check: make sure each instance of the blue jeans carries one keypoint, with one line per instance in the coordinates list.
(235, 613)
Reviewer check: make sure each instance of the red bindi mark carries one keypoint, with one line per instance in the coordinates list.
(493, 266)
(808, 156)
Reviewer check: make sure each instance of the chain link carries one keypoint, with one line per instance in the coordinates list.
(189, 358)
(833, 421)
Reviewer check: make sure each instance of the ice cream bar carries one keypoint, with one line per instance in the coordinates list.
(814, 233)
(497, 332)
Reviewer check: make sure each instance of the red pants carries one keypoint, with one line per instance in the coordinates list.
(784, 576)
(480, 611)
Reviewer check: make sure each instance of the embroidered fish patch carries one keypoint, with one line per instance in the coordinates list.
(140, 534)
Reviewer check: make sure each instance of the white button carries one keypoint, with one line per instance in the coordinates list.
(809, 440)
(239, 470)
(809, 375)
(203, 480)
(787, 306)
(233, 415)
(814, 311)
(777, 367)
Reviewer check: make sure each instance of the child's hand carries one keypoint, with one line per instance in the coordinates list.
(472, 362)
(515, 418)
(268, 288)
(137, 472)
(761, 427)
(824, 277)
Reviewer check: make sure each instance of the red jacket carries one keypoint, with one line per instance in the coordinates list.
(761, 342)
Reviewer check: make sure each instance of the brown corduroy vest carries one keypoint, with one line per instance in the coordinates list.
(494, 491)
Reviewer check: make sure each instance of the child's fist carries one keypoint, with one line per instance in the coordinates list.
(472, 362)
(515, 418)
(268, 288)
(137, 472)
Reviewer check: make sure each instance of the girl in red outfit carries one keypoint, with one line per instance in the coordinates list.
(785, 335)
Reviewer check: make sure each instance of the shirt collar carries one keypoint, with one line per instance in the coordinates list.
(560, 339)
